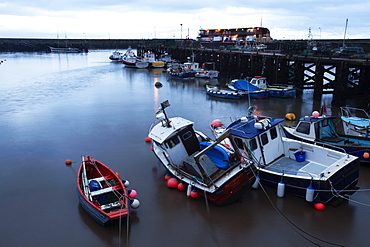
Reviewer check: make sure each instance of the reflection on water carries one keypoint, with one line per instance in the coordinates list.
(61, 106)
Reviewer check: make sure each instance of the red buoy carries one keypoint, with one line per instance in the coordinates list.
(216, 123)
(68, 162)
(167, 176)
(194, 194)
(319, 206)
(180, 186)
(148, 139)
(172, 183)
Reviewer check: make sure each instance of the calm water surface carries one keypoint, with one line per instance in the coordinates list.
(55, 107)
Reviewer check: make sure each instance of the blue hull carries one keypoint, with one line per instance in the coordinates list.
(345, 179)
(224, 95)
(95, 214)
(282, 94)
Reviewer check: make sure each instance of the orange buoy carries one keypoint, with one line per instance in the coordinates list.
(319, 206)
(148, 139)
(68, 162)
(366, 155)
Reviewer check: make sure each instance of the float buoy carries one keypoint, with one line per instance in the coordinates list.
(134, 203)
(194, 193)
(290, 116)
(68, 162)
(132, 194)
(167, 176)
(366, 155)
(158, 84)
(280, 189)
(148, 139)
(126, 183)
(172, 183)
(309, 193)
(319, 206)
(256, 182)
(315, 114)
(217, 123)
(180, 186)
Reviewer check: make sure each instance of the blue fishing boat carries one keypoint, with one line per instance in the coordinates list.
(303, 169)
(321, 129)
(245, 88)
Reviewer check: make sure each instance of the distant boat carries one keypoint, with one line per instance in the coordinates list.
(64, 50)
(116, 56)
(130, 60)
(216, 91)
(153, 62)
(208, 70)
(280, 91)
(102, 193)
(245, 88)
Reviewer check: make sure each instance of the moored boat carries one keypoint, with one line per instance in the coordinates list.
(116, 56)
(303, 169)
(355, 121)
(102, 193)
(216, 91)
(208, 70)
(280, 91)
(321, 129)
(206, 167)
(64, 50)
(245, 88)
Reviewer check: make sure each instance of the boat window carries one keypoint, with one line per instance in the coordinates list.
(324, 123)
(173, 142)
(264, 139)
(253, 144)
(239, 143)
(186, 136)
(303, 128)
(273, 133)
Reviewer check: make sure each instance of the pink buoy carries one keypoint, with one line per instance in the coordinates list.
(132, 194)
(319, 206)
(167, 176)
(172, 183)
(315, 114)
(194, 194)
(180, 186)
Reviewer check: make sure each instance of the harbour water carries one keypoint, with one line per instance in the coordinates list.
(55, 107)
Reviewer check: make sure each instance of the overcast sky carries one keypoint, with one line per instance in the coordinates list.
(147, 19)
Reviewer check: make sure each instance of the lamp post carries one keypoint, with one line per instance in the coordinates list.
(320, 32)
(181, 30)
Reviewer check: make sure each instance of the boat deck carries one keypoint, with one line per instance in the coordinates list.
(290, 166)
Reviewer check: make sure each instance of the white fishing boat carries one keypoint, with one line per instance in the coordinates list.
(206, 167)
(311, 171)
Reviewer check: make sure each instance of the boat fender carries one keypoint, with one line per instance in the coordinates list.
(280, 189)
(256, 182)
(134, 203)
(309, 193)
(188, 190)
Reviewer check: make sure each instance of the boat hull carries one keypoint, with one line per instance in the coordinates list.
(291, 93)
(344, 179)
